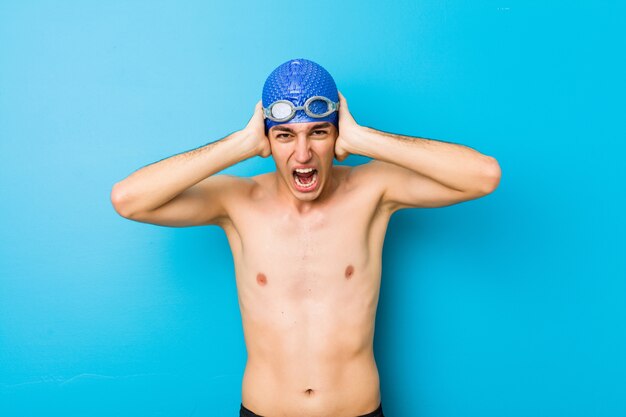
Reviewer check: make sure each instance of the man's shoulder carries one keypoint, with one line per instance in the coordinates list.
(255, 186)
(261, 181)
(364, 178)
(365, 173)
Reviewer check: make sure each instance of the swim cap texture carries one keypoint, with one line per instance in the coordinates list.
(296, 80)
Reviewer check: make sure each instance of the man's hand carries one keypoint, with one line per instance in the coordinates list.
(348, 131)
(256, 131)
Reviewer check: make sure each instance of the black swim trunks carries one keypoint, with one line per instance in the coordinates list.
(244, 412)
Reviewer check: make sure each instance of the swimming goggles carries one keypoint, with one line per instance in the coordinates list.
(316, 106)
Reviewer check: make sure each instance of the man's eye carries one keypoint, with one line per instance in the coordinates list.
(321, 132)
(282, 135)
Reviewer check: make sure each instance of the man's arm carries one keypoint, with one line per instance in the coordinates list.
(417, 172)
(182, 190)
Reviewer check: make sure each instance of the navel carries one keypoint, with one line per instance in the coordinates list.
(309, 391)
(349, 271)
(261, 279)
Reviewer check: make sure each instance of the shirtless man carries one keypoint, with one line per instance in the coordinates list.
(307, 248)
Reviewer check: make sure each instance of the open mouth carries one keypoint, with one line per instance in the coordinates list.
(305, 179)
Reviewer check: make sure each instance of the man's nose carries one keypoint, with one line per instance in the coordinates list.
(303, 149)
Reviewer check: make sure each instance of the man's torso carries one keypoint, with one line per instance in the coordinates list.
(308, 287)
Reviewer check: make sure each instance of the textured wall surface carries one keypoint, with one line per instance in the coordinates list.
(511, 305)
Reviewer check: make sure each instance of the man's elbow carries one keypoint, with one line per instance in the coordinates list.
(118, 200)
(492, 174)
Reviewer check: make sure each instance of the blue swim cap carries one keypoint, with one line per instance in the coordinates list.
(296, 80)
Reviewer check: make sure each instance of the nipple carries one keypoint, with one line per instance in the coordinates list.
(261, 279)
(349, 271)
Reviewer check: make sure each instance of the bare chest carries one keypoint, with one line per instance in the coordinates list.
(341, 241)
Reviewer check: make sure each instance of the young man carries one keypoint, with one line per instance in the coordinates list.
(306, 239)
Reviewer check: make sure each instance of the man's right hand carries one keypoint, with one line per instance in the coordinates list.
(256, 131)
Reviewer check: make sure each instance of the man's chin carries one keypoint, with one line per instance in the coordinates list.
(307, 195)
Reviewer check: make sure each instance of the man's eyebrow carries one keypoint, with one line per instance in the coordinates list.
(317, 126)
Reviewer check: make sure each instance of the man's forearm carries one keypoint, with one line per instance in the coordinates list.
(154, 185)
(456, 166)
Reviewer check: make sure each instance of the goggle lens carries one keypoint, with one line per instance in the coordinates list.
(318, 107)
(281, 110)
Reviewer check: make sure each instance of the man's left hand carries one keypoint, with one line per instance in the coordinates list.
(348, 131)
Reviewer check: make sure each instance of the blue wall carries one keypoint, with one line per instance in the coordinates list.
(511, 305)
